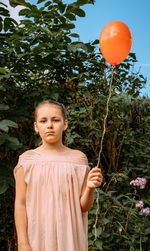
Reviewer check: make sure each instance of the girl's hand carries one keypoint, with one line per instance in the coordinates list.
(94, 178)
(24, 247)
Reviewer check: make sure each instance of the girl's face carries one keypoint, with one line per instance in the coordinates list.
(50, 123)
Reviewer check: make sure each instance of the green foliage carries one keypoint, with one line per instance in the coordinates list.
(5, 124)
(39, 60)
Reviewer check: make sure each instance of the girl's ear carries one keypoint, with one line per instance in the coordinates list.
(35, 127)
(65, 125)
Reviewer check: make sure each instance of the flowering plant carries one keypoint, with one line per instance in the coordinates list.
(141, 183)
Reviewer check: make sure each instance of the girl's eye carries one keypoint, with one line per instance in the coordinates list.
(42, 121)
(56, 120)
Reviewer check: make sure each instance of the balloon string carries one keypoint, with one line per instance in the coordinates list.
(105, 119)
(101, 147)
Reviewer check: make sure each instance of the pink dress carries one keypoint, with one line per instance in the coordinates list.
(54, 185)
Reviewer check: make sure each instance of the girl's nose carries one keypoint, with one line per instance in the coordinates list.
(49, 123)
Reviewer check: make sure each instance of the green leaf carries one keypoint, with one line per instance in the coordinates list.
(11, 181)
(9, 23)
(40, 1)
(1, 23)
(96, 42)
(3, 107)
(62, 19)
(74, 35)
(3, 185)
(14, 3)
(5, 181)
(14, 140)
(69, 139)
(13, 143)
(5, 124)
(4, 12)
(68, 26)
(98, 244)
(90, 242)
(61, 7)
(2, 88)
(105, 221)
(83, 2)
(132, 55)
(79, 12)
(124, 236)
(70, 16)
(98, 231)
(81, 84)
(75, 46)
(67, 39)
(13, 21)
(3, 70)
(47, 31)
(3, 4)
(3, 138)
(47, 4)
(25, 12)
(147, 231)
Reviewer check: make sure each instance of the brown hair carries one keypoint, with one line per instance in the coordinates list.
(63, 111)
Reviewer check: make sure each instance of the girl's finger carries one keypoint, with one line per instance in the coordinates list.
(96, 170)
(96, 183)
(95, 175)
(96, 179)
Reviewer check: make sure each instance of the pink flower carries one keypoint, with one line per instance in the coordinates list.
(139, 182)
(120, 229)
(140, 204)
(145, 211)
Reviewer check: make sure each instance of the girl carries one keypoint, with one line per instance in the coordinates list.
(54, 188)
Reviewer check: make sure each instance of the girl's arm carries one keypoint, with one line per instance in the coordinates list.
(94, 179)
(87, 199)
(20, 212)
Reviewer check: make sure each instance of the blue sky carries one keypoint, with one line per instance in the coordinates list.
(134, 13)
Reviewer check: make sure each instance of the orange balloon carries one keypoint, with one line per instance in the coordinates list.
(115, 42)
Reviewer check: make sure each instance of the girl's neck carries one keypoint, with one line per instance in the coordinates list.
(53, 148)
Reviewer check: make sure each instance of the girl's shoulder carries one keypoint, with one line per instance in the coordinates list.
(78, 154)
(23, 160)
(28, 152)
